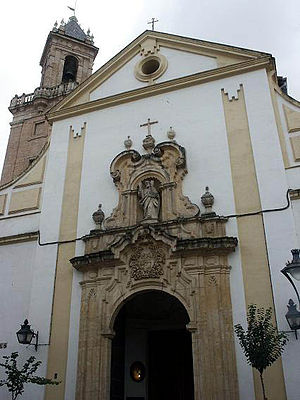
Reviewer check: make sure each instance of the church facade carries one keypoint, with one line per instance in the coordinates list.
(166, 200)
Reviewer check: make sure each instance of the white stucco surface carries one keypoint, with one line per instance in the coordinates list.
(180, 63)
(15, 225)
(196, 113)
(281, 103)
(279, 226)
(21, 299)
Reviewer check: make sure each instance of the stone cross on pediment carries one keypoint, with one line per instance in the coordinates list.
(148, 124)
(152, 22)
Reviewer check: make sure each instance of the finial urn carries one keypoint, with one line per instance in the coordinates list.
(128, 143)
(207, 200)
(98, 216)
(171, 133)
(149, 143)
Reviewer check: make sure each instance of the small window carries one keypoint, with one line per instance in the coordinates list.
(150, 66)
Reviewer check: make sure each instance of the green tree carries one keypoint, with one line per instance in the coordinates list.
(261, 342)
(16, 376)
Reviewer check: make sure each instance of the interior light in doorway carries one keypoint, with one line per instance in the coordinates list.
(137, 371)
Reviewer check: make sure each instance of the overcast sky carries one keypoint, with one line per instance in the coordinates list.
(272, 26)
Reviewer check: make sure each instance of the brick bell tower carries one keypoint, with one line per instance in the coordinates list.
(67, 60)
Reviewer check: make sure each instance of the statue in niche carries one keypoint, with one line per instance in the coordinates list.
(149, 200)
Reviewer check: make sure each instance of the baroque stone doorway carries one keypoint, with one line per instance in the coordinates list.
(150, 329)
(175, 251)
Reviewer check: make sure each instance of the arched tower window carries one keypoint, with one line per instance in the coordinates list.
(70, 69)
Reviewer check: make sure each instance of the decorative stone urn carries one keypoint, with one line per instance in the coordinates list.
(149, 143)
(98, 216)
(171, 133)
(207, 200)
(128, 143)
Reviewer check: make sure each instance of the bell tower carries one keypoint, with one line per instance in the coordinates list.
(67, 60)
(68, 54)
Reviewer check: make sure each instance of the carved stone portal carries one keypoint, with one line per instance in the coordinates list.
(178, 252)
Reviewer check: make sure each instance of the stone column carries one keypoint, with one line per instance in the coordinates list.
(220, 376)
(88, 348)
(168, 207)
(105, 366)
(196, 350)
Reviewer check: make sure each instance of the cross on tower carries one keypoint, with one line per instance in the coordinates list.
(73, 8)
(152, 22)
(148, 124)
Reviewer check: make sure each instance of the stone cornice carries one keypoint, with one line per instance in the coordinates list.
(156, 226)
(206, 244)
(295, 194)
(93, 258)
(22, 237)
(203, 246)
(163, 87)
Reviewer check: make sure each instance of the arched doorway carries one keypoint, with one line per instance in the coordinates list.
(152, 351)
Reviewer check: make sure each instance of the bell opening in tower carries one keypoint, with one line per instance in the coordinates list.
(70, 69)
(152, 350)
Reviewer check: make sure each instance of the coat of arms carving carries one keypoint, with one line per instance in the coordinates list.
(146, 261)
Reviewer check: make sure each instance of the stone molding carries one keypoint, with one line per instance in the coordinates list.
(69, 110)
(295, 194)
(105, 246)
(162, 63)
(3, 198)
(25, 200)
(195, 46)
(22, 237)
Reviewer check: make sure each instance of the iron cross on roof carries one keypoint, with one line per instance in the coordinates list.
(152, 22)
(73, 8)
(148, 124)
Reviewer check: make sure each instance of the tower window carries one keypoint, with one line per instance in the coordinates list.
(70, 69)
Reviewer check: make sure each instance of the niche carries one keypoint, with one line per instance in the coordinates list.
(149, 200)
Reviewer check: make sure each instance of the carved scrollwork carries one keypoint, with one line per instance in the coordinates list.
(157, 151)
(166, 165)
(180, 162)
(116, 175)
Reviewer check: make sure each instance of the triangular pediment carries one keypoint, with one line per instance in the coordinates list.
(176, 56)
